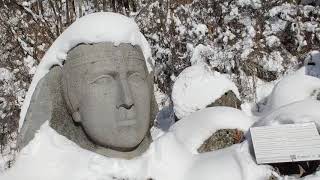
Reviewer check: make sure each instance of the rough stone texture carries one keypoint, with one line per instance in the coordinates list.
(221, 139)
(228, 99)
(108, 91)
(41, 106)
(48, 103)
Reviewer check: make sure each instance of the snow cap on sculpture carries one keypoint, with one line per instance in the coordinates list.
(92, 28)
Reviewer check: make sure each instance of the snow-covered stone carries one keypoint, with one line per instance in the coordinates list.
(198, 86)
(303, 111)
(291, 89)
(193, 134)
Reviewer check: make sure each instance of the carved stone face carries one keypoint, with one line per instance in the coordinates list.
(108, 92)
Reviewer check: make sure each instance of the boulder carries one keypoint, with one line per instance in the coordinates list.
(228, 99)
(221, 139)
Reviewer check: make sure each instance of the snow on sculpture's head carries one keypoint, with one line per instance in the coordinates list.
(89, 29)
(108, 92)
(102, 97)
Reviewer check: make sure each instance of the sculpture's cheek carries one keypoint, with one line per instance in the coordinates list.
(97, 112)
(142, 102)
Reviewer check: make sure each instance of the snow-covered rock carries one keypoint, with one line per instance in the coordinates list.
(293, 88)
(196, 87)
(193, 134)
(297, 112)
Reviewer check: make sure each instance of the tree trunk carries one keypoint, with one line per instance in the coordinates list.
(96, 5)
(67, 13)
(104, 4)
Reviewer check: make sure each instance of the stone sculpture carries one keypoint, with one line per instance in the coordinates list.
(101, 99)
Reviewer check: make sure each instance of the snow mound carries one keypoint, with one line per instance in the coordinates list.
(92, 28)
(196, 87)
(232, 163)
(193, 130)
(298, 112)
(293, 88)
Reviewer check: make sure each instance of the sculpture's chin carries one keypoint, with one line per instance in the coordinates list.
(127, 141)
(114, 132)
(125, 147)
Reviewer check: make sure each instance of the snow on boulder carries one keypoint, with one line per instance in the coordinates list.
(221, 139)
(92, 28)
(293, 88)
(196, 87)
(298, 112)
(193, 130)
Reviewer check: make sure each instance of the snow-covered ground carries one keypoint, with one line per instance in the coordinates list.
(170, 157)
(172, 154)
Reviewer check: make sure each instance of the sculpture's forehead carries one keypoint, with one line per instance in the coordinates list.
(104, 52)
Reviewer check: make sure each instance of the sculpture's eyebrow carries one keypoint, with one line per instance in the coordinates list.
(135, 58)
(77, 64)
(141, 73)
(84, 59)
(99, 77)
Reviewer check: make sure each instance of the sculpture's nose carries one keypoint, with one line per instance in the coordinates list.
(125, 94)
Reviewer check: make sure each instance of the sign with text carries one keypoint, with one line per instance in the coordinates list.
(286, 143)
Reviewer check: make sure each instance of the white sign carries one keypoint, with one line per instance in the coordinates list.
(286, 143)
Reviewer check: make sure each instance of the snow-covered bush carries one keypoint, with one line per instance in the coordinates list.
(250, 40)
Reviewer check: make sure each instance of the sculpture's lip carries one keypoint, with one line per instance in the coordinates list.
(127, 122)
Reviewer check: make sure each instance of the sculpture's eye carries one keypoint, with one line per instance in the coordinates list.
(136, 77)
(103, 79)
